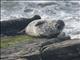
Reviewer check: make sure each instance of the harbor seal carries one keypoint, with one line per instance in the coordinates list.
(12, 27)
(44, 28)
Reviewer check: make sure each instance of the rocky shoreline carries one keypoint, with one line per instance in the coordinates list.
(64, 50)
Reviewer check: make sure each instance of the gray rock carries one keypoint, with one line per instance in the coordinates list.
(66, 50)
(61, 37)
(45, 28)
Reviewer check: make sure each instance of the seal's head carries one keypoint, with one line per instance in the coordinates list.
(36, 17)
(60, 25)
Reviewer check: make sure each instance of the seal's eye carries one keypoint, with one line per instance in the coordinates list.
(40, 23)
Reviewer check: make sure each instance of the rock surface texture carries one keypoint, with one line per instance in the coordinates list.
(58, 50)
(66, 50)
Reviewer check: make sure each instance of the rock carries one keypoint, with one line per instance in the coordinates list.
(15, 26)
(45, 28)
(61, 37)
(66, 50)
(32, 56)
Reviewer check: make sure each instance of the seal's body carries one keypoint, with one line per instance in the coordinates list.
(45, 28)
(12, 27)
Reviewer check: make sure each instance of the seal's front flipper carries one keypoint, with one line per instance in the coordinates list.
(40, 23)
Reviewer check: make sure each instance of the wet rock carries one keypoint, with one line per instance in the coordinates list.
(61, 37)
(66, 50)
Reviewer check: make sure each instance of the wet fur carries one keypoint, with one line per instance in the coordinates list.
(15, 26)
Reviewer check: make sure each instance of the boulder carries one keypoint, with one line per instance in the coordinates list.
(61, 37)
(66, 50)
(45, 28)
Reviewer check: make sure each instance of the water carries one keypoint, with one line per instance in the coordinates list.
(68, 11)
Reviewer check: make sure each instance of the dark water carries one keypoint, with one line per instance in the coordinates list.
(68, 11)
